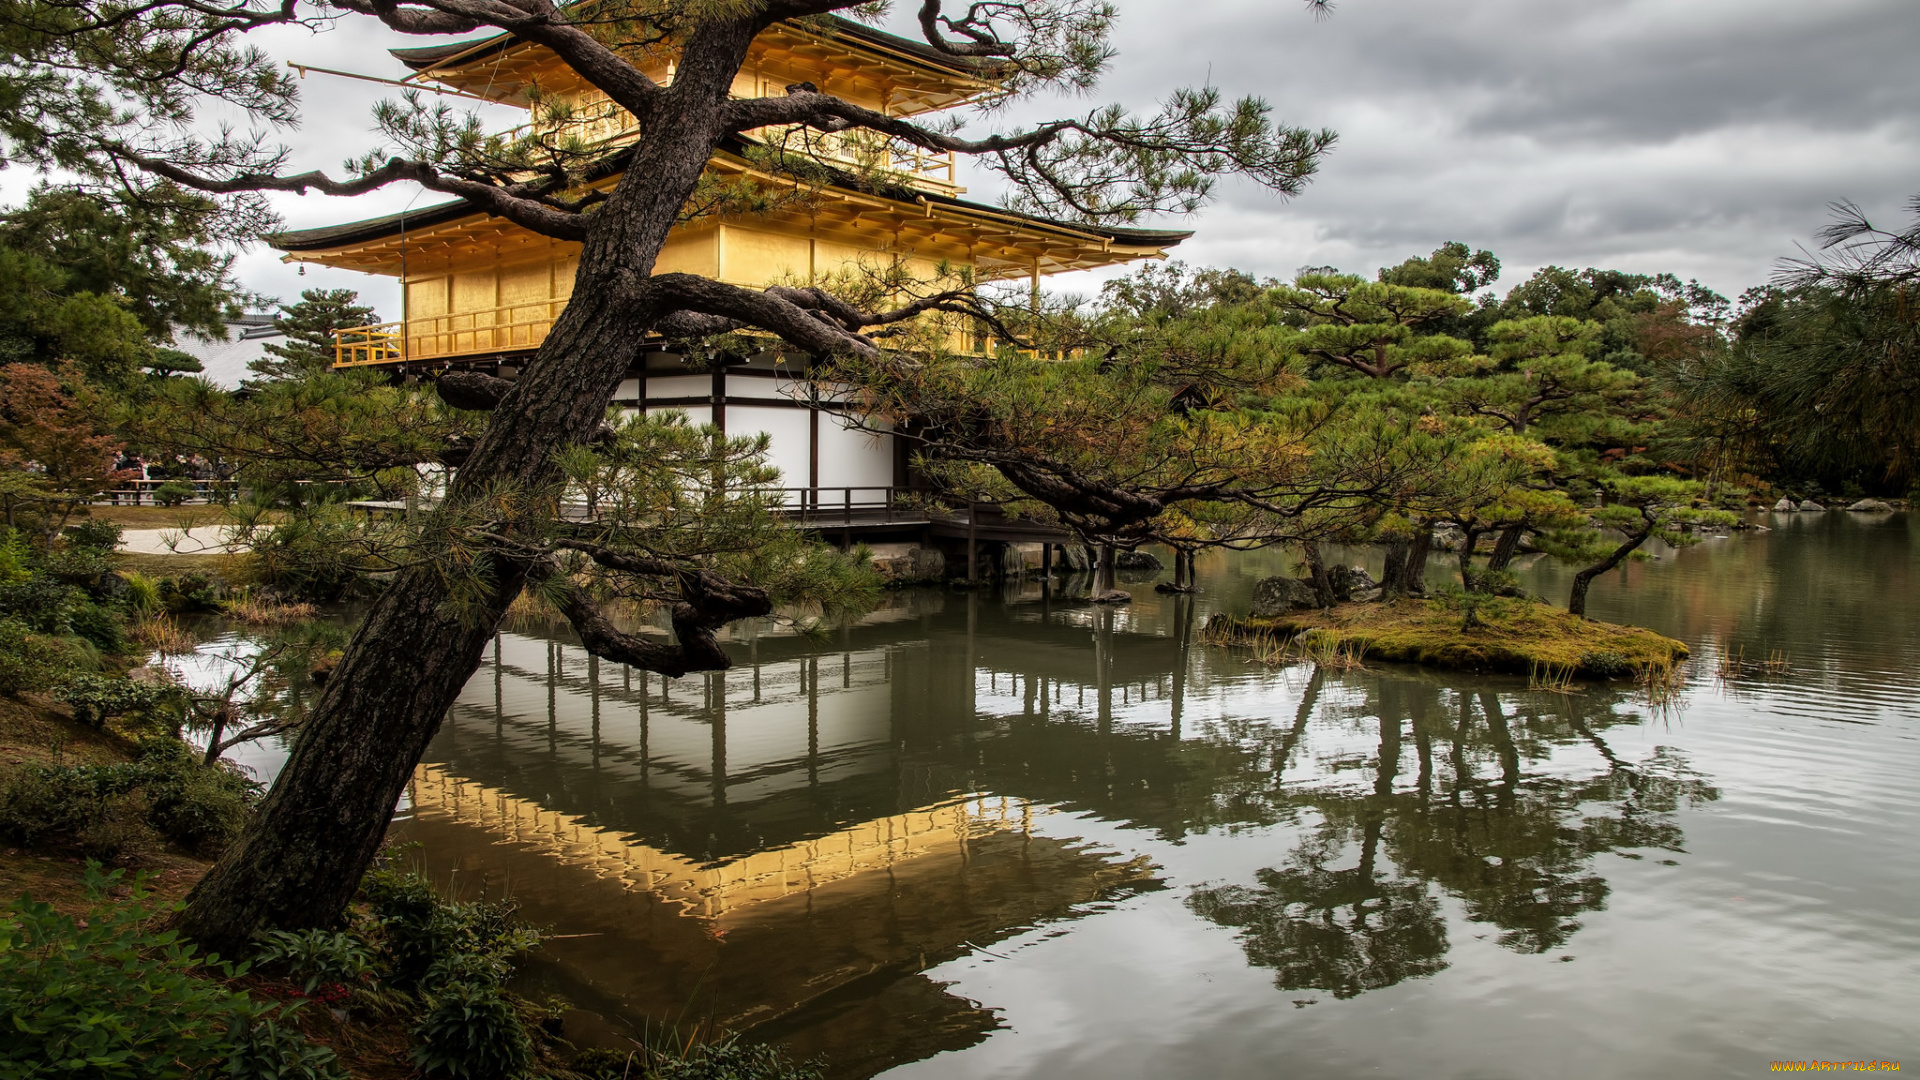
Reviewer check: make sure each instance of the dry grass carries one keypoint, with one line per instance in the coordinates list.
(162, 635)
(1517, 636)
(1550, 679)
(1332, 652)
(266, 614)
(1736, 665)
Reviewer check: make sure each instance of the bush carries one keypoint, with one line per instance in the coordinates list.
(96, 699)
(425, 940)
(192, 592)
(95, 534)
(101, 807)
(102, 627)
(31, 661)
(174, 493)
(473, 1032)
(44, 604)
(315, 958)
(106, 997)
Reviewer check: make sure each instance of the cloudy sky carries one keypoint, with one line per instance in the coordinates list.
(1702, 137)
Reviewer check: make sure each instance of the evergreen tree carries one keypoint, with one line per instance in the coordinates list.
(309, 326)
(106, 285)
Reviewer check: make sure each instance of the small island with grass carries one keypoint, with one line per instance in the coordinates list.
(1511, 634)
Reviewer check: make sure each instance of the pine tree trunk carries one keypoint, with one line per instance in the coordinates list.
(301, 859)
(1393, 579)
(1317, 573)
(1417, 560)
(1504, 547)
(1467, 543)
(1577, 602)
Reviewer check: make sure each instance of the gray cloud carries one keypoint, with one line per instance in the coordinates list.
(1703, 138)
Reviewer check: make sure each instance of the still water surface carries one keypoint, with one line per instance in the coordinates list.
(1011, 835)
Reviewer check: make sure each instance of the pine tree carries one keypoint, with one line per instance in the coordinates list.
(309, 326)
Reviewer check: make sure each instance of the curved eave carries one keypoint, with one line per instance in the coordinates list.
(920, 54)
(1127, 241)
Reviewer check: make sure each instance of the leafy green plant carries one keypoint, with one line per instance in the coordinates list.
(174, 493)
(425, 939)
(96, 699)
(316, 958)
(192, 592)
(104, 996)
(31, 661)
(196, 806)
(473, 1032)
(142, 593)
(94, 534)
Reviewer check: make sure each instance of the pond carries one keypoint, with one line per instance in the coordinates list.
(1010, 834)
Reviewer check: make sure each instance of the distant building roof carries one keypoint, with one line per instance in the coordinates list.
(225, 362)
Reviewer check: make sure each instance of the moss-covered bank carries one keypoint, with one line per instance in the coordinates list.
(1513, 635)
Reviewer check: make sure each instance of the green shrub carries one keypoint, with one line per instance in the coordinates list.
(96, 699)
(471, 1031)
(102, 627)
(95, 534)
(142, 594)
(41, 603)
(101, 807)
(16, 558)
(30, 661)
(315, 958)
(192, 592)
(202, 808)
(107, 997)
(174, 493)
(85, 805)
(425, 939)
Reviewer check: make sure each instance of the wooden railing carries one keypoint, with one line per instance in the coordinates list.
(508, 328)
(815, 506)
(380, 343)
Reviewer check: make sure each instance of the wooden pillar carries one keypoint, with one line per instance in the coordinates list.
(720, 395)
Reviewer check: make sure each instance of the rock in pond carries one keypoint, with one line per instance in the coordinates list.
(1871, 506)
(1137, 560)
(1784, 506)
(1810, 506)
(1113, 597)
(1276, 596)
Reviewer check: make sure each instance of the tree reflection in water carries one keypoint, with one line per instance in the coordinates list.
(1515, 849)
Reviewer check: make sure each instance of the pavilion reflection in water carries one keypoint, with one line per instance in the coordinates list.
(763, 848)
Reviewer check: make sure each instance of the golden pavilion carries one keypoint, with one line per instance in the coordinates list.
(481, 292)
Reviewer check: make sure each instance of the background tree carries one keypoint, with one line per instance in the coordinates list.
(309, 326)
(106, 91)
(56, 446)
(106, 284)
(1822, 380)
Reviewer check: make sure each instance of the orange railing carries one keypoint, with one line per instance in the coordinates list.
(380, 343)
(510, 328)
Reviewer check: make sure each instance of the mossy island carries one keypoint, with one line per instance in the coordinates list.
(1511, 634)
